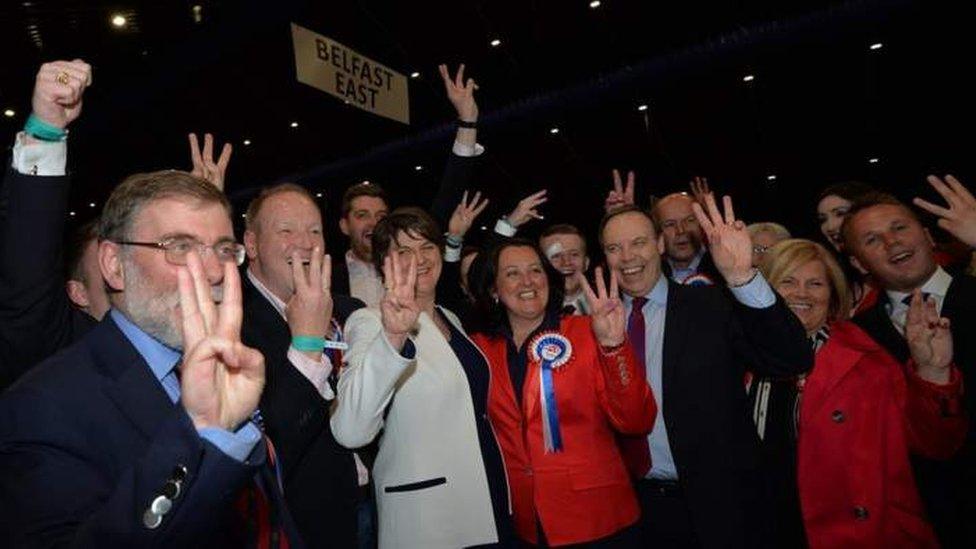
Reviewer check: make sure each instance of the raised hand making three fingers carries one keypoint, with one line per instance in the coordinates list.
(309, 309)
(960, 216)
(929, 339)
(399, 307)
(465, 214)
(221, 379)
(728, 240)
(607, 311)
(204, 166)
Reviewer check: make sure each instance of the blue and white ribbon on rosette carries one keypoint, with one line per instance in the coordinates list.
(551, 350)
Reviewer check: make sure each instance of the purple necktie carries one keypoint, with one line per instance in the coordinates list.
(636, 452)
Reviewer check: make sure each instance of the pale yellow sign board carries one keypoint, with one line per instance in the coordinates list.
(323, 63)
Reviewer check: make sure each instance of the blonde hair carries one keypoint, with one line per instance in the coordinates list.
(789, 255)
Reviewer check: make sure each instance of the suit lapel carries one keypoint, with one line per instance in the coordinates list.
(877, 324)
(675, 331)
(133, 388)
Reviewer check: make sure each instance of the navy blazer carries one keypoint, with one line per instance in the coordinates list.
(89, 438)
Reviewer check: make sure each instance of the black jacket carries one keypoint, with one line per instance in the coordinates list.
(36, 317)
(319, 475)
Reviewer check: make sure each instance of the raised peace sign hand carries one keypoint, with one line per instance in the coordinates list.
(221, 378)
(460, 93)
(960, 217)
(204, 166)
(929, 339)
(399, 307)
(728, 240)
(607, 311)
(620, 195)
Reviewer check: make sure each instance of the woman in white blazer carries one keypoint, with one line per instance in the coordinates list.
(413, 378)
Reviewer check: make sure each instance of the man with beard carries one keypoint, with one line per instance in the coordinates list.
(289, 312)
(565, 248)
(142, 432)
(886, 239)
(698, 473)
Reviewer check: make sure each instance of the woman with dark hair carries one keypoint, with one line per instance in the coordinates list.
(833, 204)
(413, 378)
(563, 387)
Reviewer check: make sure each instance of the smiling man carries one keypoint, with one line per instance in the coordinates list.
(565, 248)
(685, 253)
(698, 473)
(886, 239)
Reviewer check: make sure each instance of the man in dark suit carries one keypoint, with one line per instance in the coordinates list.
(141, 433)
(289, 311)
(685, 253)
(887, 240)
(36, 316)
(699, 476)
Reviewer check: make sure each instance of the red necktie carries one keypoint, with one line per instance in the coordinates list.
(636, 452)
(254, 506)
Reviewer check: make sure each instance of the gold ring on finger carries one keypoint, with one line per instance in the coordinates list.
(63, 78)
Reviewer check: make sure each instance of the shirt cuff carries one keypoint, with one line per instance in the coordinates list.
(40, 158)
(452, 255)
(504, 228)
(238, 444)
(756, 293)
(317, 372)
(465, 150)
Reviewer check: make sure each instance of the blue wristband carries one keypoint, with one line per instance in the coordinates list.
(308, 344)
(44, 131)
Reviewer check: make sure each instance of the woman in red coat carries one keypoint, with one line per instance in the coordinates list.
(861, 413)
(561, 388)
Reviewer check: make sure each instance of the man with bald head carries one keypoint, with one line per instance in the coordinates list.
(685, 254)
(291, 316)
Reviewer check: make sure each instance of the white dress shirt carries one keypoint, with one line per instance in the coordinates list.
(936, 287)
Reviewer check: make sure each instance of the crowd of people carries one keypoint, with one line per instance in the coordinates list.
(710, 384)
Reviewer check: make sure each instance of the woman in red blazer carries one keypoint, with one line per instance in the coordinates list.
(561, 388)
(861, 413)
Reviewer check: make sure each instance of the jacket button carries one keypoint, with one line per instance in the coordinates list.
(837, 416)
(151, 520)
(861, 513)
(528, 471)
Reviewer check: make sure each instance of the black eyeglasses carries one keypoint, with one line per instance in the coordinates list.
(760, 249)
(176, 249)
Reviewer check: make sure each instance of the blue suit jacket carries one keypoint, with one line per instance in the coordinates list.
(89, 438)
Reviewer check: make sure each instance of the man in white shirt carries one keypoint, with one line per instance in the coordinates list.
(886, 239)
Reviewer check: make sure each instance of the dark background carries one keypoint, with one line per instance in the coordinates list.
(821, 105)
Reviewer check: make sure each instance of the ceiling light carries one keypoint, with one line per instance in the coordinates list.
(294, 124)
(595, 4)
(365, 182)
(9, 113)
(877, 46)
(554, 131)
(197, 13)
(495, 43)
(244, 215)
(748, 78)
(118, 20)
(642, 108)
(418, 168)
(873, 160)
(72, 214)
(247, 142)
(318, 195)
(770, 177)
(415, 74)
(483, 228)
(91, 204)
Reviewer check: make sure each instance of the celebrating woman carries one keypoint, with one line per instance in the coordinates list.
(562, 388)
(850, 424)
(414, 379)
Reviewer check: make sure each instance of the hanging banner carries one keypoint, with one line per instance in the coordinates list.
(323, 63)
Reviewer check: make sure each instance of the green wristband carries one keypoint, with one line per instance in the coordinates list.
(44, 131)
(308, 344)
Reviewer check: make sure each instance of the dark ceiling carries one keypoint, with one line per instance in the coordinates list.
(821, 105)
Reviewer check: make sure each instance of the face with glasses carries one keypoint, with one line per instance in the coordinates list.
(144, 274)
(762, 241)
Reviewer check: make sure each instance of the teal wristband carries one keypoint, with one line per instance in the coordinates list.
(308, 344)
(43, 131)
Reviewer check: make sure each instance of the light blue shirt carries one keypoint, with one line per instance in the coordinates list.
(679, 274)
(162, 360)
(756, 294)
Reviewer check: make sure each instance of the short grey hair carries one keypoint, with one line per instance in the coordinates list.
(781, 232)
